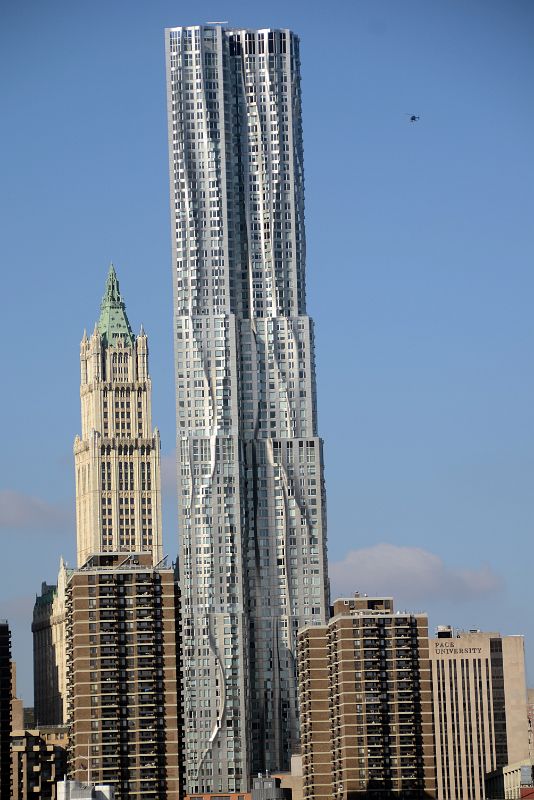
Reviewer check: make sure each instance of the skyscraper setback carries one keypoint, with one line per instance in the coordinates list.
(250, 467)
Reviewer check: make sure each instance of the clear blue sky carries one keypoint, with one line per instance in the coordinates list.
(420, 279)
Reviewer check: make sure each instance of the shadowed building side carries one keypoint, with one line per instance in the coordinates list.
(6, 693)
(49, 666)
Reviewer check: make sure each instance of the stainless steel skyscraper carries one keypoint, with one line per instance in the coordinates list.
(250, 469)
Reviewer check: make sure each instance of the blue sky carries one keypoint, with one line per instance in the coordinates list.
(420, 279)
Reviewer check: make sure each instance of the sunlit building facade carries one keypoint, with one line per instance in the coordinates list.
(250, 466)
(366, 704)
(480, 708)
(121, 603)
(117, 457)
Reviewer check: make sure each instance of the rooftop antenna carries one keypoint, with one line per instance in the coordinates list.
(161, 561)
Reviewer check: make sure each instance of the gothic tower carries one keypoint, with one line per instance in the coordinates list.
(117, 457)
(121, 604)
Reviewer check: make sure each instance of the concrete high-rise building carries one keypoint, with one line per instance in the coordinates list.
(250, 466)
(121, 604)
(6, 694)
(480, 708)
(122, 688)
(49, 664)
(117, 458)
(366, 703)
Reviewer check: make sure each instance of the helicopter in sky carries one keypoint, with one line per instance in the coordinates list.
(413, 117)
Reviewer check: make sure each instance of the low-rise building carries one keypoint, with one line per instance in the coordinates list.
(39, 762)
(219, 796)
(264, 787)
(76, 790)
(293, 780)
(512, 782)
(267, 787)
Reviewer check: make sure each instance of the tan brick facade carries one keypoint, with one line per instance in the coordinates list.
(122, 656)
(366, 703)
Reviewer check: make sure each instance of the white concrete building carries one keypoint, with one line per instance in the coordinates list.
(76, 790)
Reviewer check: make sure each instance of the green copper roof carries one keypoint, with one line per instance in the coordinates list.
(113, 323)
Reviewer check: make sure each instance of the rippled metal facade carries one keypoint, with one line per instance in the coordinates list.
(250, 466)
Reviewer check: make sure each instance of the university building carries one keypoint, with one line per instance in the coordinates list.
(480, 708)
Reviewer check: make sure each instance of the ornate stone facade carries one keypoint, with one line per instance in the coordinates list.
(121, 603)
(117, 457)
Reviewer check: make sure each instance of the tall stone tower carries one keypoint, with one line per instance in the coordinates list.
(117, 457)
(250, 485)
(121, 604)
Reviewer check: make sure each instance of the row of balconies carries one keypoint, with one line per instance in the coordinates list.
(119, 691)
(110, 668)
(111, 751)
(146, 774)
